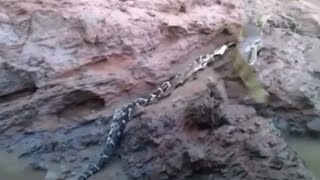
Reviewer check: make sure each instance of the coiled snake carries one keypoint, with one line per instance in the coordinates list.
(124, 114)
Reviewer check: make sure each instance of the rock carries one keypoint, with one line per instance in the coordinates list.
(311, 89)
(203, 113)
(297, 130)
(57, 158)
(292, 127)
(82, 62)
(281, 123)
(51, 175)
(314, 126)
(72, 158)
(39, 165)
(255, 147)
(14, 80)
(255, 150)
(65, 170)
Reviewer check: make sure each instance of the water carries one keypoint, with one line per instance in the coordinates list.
(309, 150)
(17, 169)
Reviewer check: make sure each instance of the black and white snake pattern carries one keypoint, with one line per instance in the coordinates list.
(124, 114)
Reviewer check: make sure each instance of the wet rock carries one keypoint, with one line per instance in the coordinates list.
(311, 89)
(183, 152)
(314, 127)
(297, 130)
(305, 127)
(65, 169)
(72, 158)
(51, 175)
(39, 165)
(57, 158)
(45, 147)
(281, 123)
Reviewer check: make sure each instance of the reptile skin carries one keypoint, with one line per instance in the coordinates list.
(250, 40)
(244, 56)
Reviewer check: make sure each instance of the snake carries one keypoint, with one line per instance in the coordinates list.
(124, 114)
(243, 55)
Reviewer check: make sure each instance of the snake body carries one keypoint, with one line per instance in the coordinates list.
(123, 115)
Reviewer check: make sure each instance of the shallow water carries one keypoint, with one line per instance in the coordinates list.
(309, 150)
(17, 169)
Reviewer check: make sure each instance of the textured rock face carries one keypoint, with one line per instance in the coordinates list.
(14, 80)
(65, 65)
(241, 145)
(169, 142)
(113, 50)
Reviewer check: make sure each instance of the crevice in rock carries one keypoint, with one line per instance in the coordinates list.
(28, 91)
(315, 75)
(80, 103)
(15, 83)
(204, 113)
(183, 8)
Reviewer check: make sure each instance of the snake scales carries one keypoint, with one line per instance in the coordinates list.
(124, 114)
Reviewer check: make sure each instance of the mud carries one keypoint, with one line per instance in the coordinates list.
(13, 168)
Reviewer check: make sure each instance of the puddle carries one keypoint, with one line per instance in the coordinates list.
(17, 169)
(308, 149)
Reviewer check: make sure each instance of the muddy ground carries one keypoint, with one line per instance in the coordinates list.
(66, 65)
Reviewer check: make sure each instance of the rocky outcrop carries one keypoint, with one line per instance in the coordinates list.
(66, 65)
(194, 135)
(240, 145)
(109, 51)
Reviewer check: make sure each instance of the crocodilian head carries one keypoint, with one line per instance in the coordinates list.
(260, 21)
(253, 28)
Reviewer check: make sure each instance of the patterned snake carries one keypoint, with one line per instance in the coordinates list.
(124, 114)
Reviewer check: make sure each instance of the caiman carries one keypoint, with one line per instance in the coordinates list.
(245, 54)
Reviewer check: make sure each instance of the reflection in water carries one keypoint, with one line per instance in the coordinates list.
(308, 149)
(16, 169)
